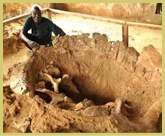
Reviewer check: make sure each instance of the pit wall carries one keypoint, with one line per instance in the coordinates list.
(99, 69)
(137, 12)
(113, 72)
(15, 9)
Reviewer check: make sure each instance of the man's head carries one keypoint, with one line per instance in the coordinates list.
(36, 13)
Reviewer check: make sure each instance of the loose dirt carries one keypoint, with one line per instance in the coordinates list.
(84, 83)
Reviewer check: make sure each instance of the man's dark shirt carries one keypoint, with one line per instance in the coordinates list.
(41, 31)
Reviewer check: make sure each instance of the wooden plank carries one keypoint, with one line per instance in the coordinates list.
(49, 14)
(125, 34)
(150, 26)
(14, 19)
(115, 21)
(85, 16)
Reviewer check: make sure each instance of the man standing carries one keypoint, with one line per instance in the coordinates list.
(41, 29)
(158, 8)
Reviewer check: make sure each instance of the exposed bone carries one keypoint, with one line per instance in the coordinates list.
(67, 80)
(96, 111)
(84, 104)
(67, 99)
(55, 82)
(54, 96)
(126, 110)
(120, 107)
(118, 104)
(110, 104)
(65, 76)
(92, 77)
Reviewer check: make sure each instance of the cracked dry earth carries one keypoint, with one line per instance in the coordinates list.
(85, 85)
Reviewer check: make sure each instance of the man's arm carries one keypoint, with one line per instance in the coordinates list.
(24, 33)
(56, 30)
(30, 43)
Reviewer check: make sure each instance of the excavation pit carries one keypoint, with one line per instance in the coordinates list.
(85, 81)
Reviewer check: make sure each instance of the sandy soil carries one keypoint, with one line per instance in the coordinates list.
(147, 69)
(138, 37)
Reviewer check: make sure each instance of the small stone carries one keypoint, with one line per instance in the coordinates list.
(79, 106)
(41, 84)
(96, 111)
(110, 104)
(22, 124)
(88, 103)
(51, 62)
(54, 71)
(67, 99)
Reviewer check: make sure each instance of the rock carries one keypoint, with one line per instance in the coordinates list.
(88, 103)
(52, 70)
(40, 84)
(79, 106)
(136, 12)
(110, 104)
(96, 111)
(22, 124)
(51, 62)
(150, 57)
(68, 100)
(17, 80)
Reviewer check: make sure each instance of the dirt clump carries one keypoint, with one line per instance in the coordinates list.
(11, 39)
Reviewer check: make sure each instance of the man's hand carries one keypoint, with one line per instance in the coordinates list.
(63, 33)
(33, 45)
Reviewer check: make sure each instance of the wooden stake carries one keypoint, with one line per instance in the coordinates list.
(49, 14)
(125, 34)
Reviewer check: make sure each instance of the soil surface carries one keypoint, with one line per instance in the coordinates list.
(61, 89)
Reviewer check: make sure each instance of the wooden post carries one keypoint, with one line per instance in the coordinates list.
(49, 14)
(125, 34)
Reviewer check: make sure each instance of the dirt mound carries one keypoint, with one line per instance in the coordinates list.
(86, 85)
(136, 12)
(14, 9)
(11, 41)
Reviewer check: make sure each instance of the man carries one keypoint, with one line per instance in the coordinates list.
(158, 8)
(41, 29)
